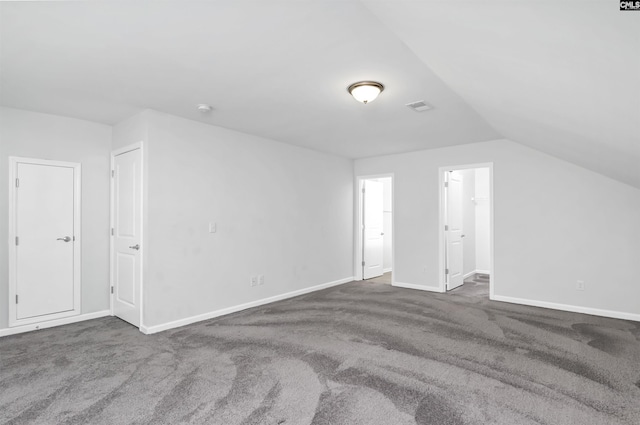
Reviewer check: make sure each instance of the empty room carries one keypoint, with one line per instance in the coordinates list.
(327, 212)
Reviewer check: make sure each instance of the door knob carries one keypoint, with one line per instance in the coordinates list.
(66, 239)
(382, 234)
(136, 247)
(462, 236)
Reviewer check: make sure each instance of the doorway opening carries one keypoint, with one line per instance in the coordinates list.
(374, 247)
(466, 236)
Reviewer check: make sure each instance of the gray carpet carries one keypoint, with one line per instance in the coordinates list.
(476, 285)
(360, 353)
(385, 279)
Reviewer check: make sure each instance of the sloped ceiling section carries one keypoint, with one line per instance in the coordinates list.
(274, 68)
(558, 76)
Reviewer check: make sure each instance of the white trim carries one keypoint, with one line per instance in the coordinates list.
(570, 308)
(415, 286)
(217, 313)
(476, 272)
(357, 265)
(390, 268)
(441, 232)
(53, 323)
(357, 246)
(125, 149)
(114, 153)
(77, 243)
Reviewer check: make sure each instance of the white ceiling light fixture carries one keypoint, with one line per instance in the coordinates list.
(365, 91)
(203, 107)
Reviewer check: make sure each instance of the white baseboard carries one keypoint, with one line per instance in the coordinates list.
(213, 314)
(418, 287)
(571, 308)
(53, 323)
(476, 272)
(387, 270)
(469, 274)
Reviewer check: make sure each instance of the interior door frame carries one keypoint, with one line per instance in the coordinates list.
(77, 245)
(358, 246)
(442, 219)
(120, 151)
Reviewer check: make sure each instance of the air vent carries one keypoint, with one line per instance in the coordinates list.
(419, 106)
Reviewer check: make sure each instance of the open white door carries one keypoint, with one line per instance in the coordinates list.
(45, 223)
(126, 238)
(454, 248)
(373, 233)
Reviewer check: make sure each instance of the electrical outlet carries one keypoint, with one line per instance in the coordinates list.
(261, 280)
(580, 285)
(254, 280)
(212, 227)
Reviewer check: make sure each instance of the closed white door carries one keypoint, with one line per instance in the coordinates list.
(126, 239)
(44, 269)
(454, 233)
(373, 232)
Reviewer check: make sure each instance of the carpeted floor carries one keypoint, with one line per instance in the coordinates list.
(385, 279)
(361, 353)
(476, 285)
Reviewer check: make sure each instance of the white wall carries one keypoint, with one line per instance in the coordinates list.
(281, 211)
(387, 226)
(468, 221)
(132, 130)
(482, 220)
(553, 225)
(35, 135)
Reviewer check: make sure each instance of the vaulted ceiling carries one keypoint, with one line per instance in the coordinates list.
(559, 76)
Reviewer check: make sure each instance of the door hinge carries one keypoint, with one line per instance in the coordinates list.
(113, 173)
(446, 227)
(446, 271)
(112, 231)
(17, 182)
(363, 264)
(446, 184)
(16, 298)
(17, 241)
(363, 190)
(112, 289)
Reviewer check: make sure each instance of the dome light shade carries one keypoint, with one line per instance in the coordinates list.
(365, 91)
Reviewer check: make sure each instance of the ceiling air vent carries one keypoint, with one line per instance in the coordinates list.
(419, 106)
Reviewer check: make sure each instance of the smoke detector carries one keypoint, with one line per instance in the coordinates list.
(203, 107)
(419, 106)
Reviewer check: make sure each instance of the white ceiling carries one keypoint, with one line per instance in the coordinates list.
(560, 76)
(278, 69)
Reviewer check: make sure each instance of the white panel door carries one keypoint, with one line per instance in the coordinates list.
(126, 239)
(373, 232)
(44, 218)
(454, 235)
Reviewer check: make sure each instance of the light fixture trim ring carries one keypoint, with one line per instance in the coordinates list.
(365, 83)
